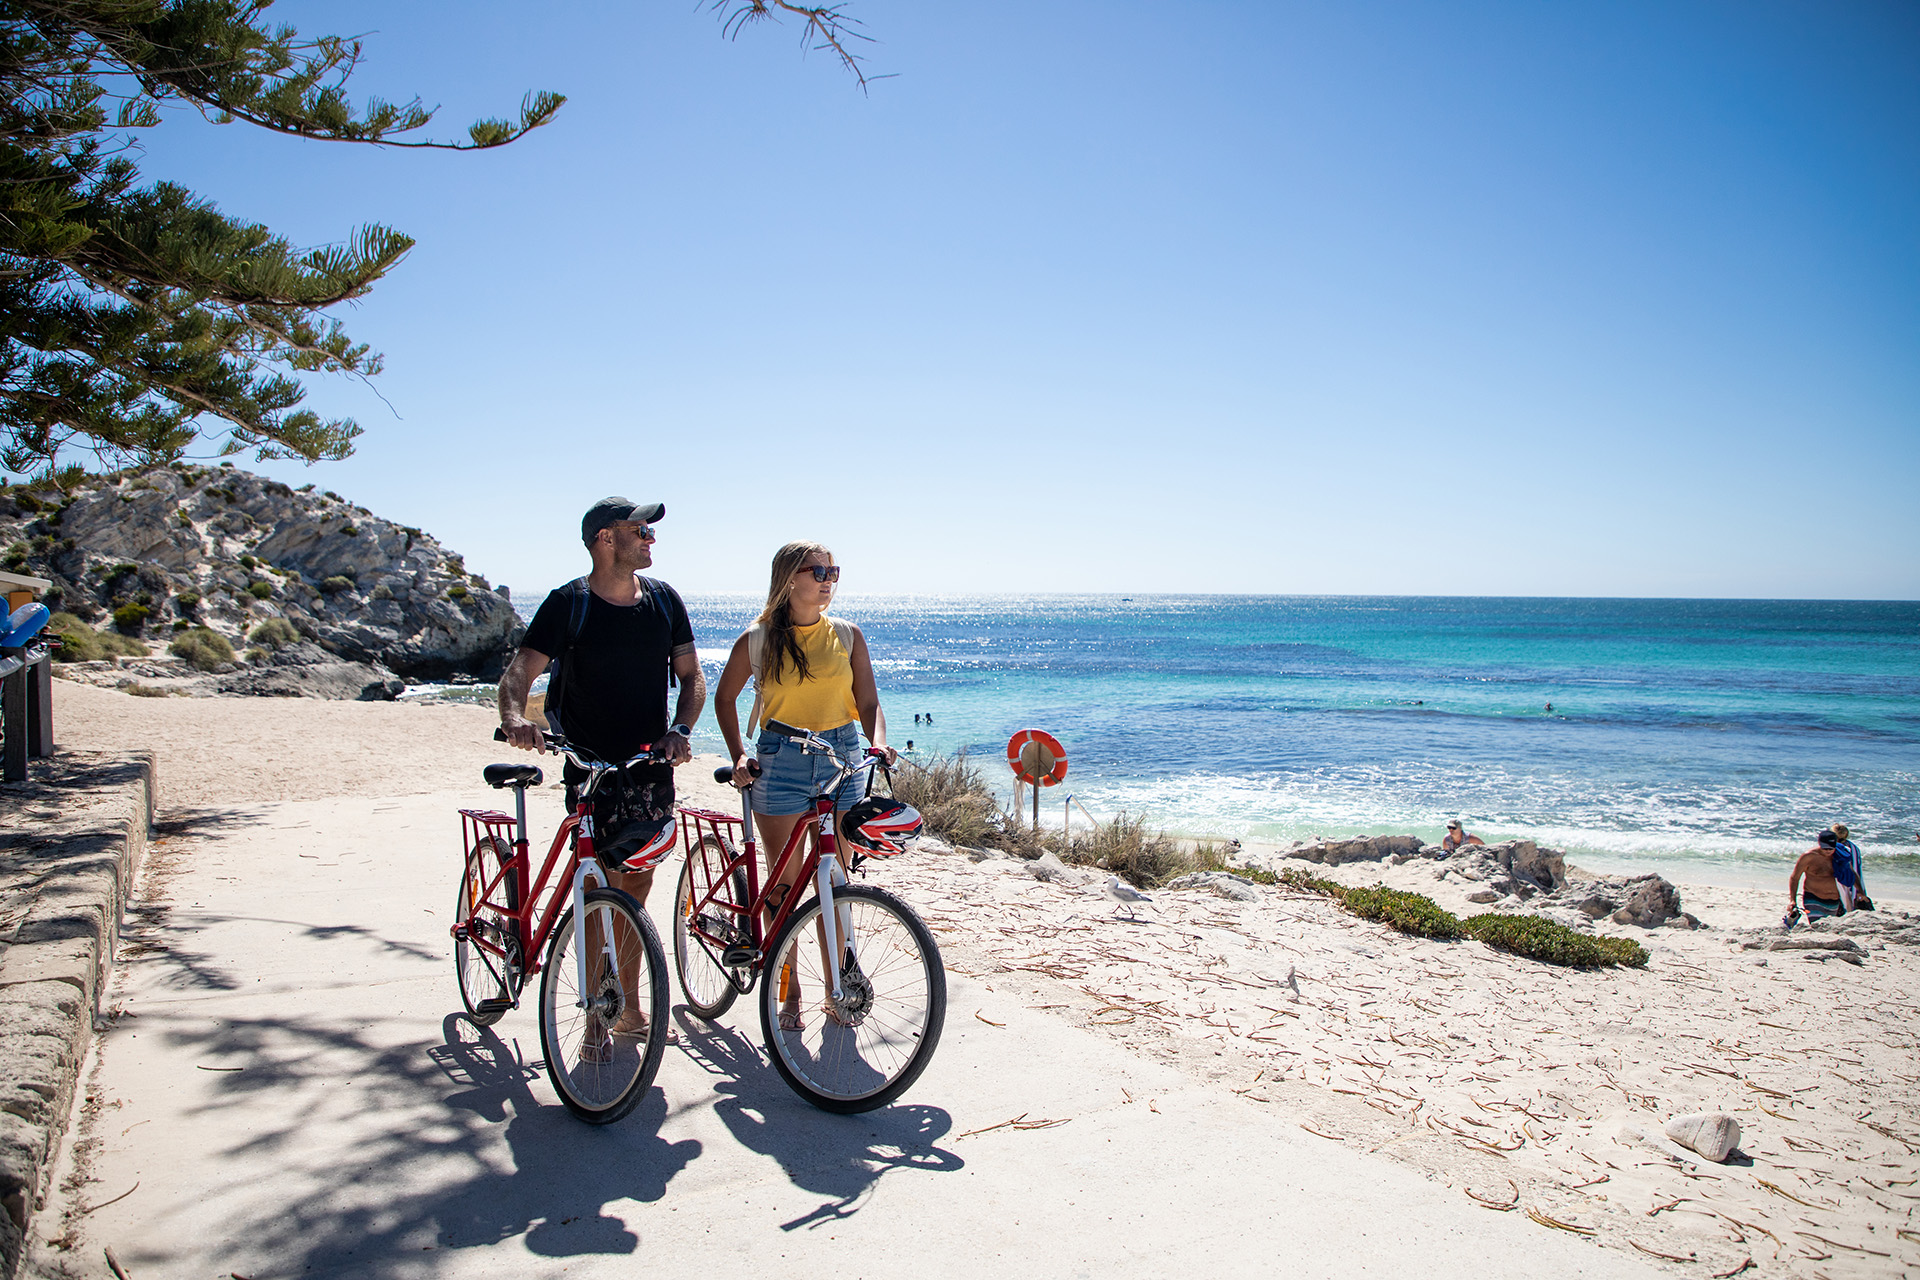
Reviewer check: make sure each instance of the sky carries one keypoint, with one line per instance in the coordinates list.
(1474, 298)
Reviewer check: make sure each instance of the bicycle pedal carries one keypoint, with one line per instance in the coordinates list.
(738, 957)
(495, 1005)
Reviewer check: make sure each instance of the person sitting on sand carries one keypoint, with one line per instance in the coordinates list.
(1847, 871)
(1813, 883)
(1457, 837)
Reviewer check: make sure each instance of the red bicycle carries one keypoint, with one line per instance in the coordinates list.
(603, 983)
(875, 971)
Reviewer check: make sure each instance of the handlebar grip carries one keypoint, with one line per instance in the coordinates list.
(725, 772)
(499, 735)
(783, 729)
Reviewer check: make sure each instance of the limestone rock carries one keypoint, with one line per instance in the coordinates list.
(1483, 897)
(226, 549)
(340, 681)
(1357, 849)
(1714, 1134)
(1220, 882)
(1650, 902)
(1048, 867)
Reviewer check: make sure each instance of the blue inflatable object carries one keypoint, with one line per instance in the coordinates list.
(24, 625)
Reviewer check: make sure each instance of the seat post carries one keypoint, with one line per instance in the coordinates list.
(520, 813)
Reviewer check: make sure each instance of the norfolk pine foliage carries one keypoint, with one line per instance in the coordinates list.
(134, 316)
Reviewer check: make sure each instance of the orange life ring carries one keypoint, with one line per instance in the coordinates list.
(1037, 757)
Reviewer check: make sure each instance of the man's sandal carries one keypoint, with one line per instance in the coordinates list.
(790, 1020)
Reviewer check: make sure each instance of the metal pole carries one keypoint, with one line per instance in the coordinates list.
(13, 722)
(40, 706)
(1036, 810)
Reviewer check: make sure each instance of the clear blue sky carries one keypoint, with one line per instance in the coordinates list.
(1350, 297)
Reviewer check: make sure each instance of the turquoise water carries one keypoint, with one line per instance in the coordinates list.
(1702, 738)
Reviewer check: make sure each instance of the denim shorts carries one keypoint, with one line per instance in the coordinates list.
(790, 776)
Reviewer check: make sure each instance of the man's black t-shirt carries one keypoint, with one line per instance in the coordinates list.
(615, 689)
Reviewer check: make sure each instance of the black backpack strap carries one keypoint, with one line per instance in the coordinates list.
(581, 595)
(654, 593)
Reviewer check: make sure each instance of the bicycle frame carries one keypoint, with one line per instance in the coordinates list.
(532, 927)
(821, 864)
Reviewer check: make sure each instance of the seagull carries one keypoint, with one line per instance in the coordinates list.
(1124, 894)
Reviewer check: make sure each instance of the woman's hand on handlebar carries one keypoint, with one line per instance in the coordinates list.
(887, 754)
(523, 733)
(745, 770)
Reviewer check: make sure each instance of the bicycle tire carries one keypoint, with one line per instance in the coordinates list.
(601, 1092)
(884, 1038)
(483, 977)
(709, 988)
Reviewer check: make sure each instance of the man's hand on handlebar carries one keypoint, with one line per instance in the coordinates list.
(675, 748)
(523, 733)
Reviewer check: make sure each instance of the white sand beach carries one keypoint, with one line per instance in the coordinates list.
(1529, 1097)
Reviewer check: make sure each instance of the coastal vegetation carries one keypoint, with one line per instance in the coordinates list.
(202, 648)
(954, 801)
(1533, 937)
(81, 643)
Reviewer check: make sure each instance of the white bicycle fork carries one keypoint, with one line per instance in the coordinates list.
(835, 919)
(589, 869)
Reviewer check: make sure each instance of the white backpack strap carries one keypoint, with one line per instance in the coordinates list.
(756, 657)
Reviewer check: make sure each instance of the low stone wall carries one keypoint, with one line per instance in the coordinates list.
(71, 840)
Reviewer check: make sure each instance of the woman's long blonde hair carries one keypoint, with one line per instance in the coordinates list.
(777, 617)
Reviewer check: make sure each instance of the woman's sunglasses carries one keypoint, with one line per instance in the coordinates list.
(822, 572)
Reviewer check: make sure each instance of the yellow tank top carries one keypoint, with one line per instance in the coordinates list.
(824, 700)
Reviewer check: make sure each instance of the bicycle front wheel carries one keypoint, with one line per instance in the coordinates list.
(603, 1045)
(863, 1049)
(708, 986)
(480, 956)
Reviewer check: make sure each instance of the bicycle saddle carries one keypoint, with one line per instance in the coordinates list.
(511, 775)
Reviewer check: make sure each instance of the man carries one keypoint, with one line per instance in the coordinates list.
(1813, 884)
(608, 695)
(1847, 871)
(1457, 837)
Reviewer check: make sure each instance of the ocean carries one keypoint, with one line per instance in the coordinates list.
(1704, 739)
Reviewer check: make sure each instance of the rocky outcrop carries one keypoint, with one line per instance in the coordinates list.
(1360, 849)
(226, 549)
(1227, 885)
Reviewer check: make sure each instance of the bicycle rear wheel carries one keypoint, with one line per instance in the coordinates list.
(599, 1070)
(483, 973)
(864, 1050)
(708, 986)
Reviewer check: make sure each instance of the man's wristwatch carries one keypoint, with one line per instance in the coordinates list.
(682, 730)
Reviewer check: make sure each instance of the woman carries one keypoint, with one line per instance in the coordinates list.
(812, 672)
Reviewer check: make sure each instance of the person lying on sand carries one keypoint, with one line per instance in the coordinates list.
(1812, 881)
(1457, 837)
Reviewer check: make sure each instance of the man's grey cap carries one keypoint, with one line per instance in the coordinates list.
(616, 509)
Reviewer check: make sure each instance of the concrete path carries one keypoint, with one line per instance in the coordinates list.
(288, 1093)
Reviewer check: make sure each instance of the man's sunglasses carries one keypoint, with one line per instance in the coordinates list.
(644, 530)
(822, 572)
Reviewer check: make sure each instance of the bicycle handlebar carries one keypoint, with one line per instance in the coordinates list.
(649, 754)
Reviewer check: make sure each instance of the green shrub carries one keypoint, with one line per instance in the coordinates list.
(184, 518)
(328, 493)
(139, 690)
(202, 648)
(256, 654)
(1307, 882)
(457, 592)
(181, 624)
(274, 632)
(187, 601)
(81, 643)
(1408, 912)
(260, 590)
(248, 562)
(336, 584)
(352, 531)
(1541, 939)
(306, 488)
(131, 617)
